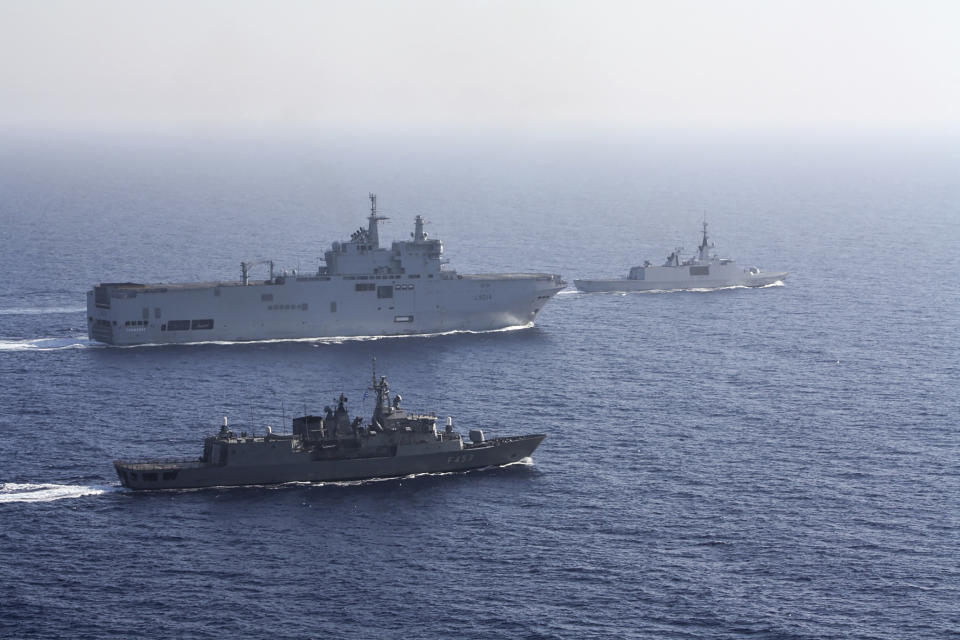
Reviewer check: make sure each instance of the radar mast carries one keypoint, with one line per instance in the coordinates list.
(373, 228)
(704, 244)
(383, 396)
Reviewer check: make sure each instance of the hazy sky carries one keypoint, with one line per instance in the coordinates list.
(476, 64)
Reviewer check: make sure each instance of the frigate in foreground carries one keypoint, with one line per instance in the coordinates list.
(361, 289)
(331, 448)
(702, 271)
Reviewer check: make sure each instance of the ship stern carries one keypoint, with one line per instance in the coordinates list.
(99, 323)
(171, 474)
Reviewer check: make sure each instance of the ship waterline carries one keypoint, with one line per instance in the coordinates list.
(738, 278)
(362, 290)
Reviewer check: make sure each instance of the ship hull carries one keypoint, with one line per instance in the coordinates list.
(684, 283)
(301, 468)
(315, 307)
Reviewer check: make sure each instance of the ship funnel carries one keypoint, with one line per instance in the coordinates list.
(418, 233)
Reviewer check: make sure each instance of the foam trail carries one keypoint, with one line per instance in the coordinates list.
(522, 462)
(315, 341)
(14, 492)
(83, 342)
(38, 311)
(778, 283)
(48, 344)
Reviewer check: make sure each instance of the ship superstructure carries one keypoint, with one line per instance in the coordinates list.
(362, 289)
(701, 271)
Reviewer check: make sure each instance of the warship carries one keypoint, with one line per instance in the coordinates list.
(702, 271)
(332, 447)
(359, 289)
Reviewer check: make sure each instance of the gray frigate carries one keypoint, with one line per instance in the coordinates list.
(332, 447)
(702, 271)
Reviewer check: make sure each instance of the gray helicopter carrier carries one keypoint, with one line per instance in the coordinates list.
(331, 448)
(701, 271)
(361, 289)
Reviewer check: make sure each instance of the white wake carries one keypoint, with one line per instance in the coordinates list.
(82, 342)
(48, 344)
(38, 311)
(14, 492)
(778, 283)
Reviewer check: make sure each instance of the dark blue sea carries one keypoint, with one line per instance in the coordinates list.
(744, 463)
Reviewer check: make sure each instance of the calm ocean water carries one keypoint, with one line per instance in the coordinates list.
(771, 463)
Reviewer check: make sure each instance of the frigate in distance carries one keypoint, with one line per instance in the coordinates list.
(701, 271)
(361, 289)
(332, 448)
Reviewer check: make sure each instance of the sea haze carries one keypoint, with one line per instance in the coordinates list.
(769, 463)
